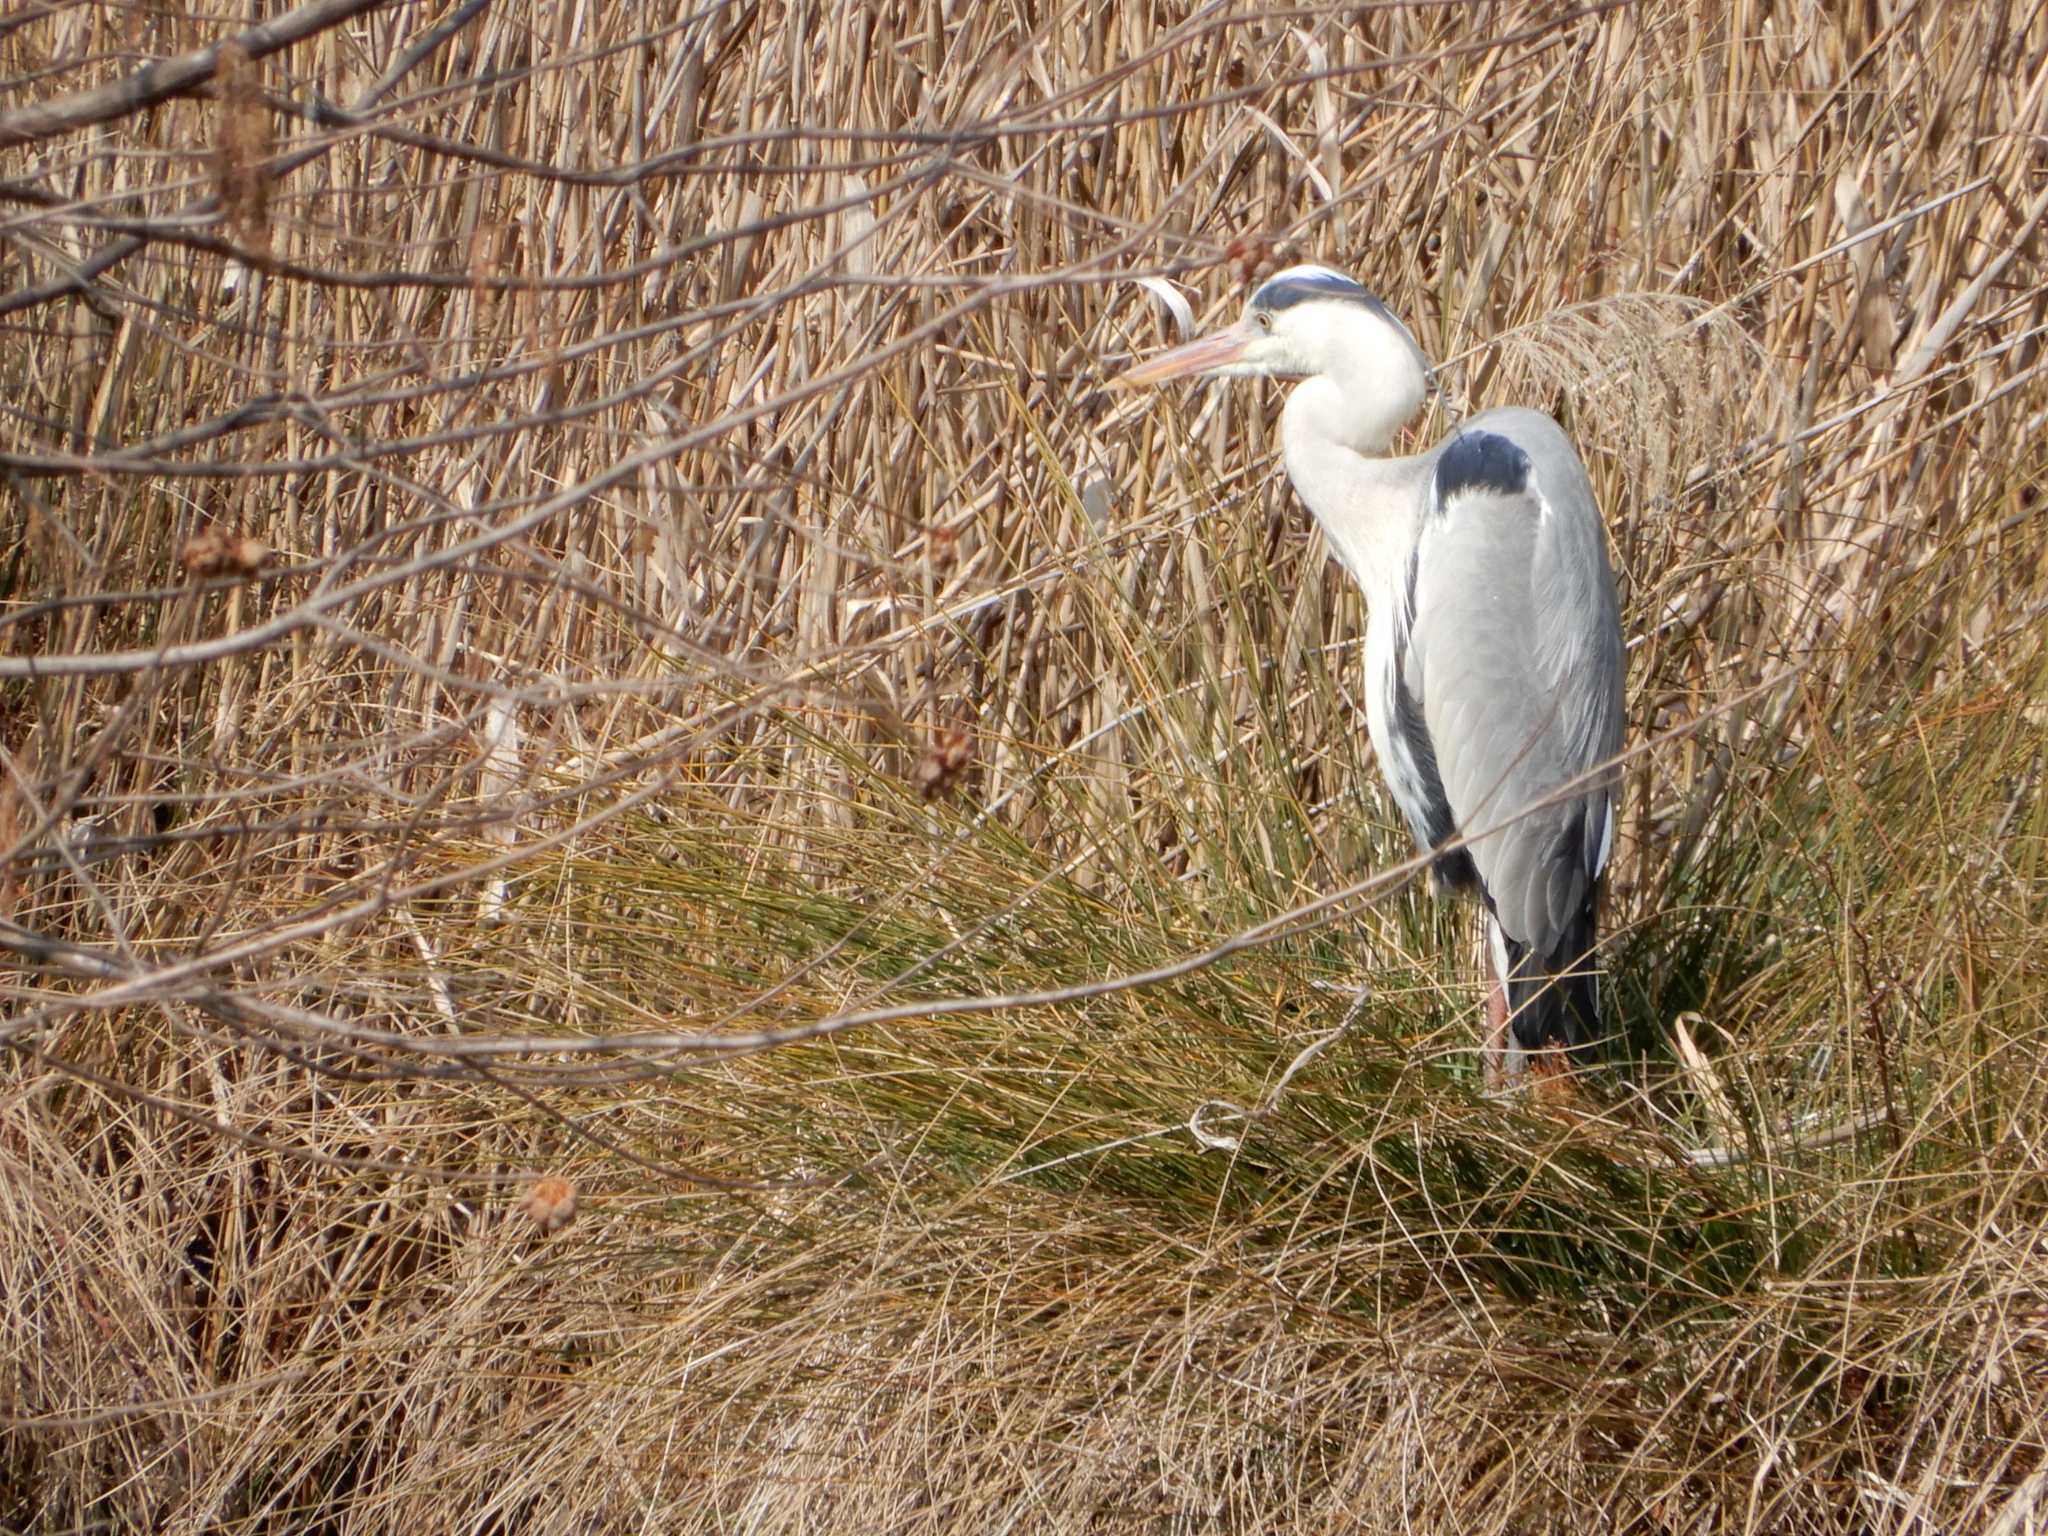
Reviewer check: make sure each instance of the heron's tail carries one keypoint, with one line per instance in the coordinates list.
(1554, 998)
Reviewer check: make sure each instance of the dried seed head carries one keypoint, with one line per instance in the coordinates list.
(216, 553)
(241, 159)
(550, 1202)
(493, 252)
(1253, 256)
(941, 767)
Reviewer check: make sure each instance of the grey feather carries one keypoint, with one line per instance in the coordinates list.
(1515, 651)
(1419, 786)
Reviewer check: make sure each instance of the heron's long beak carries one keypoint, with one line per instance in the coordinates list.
(1219, 349)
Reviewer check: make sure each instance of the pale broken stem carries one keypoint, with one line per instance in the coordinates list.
(1846, 1130)
(444, 996)
(1211, 1110)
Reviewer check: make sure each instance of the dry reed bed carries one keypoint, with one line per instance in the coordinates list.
(700, 584)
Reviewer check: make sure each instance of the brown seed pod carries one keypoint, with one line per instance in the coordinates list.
(549, 1202)
(217, 553)
(941, 767)
(1253, 257)
(241, 160)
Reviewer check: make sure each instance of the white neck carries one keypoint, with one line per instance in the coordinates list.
(1361, 414)
(1369, 505)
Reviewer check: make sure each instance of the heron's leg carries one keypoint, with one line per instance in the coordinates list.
(1493, 1056)
(1493, 1051)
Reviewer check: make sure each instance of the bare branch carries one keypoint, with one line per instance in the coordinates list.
(181, 76)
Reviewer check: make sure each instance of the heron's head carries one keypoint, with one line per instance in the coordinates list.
(1312, 323)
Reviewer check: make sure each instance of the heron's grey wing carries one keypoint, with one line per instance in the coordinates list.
(1514, 660)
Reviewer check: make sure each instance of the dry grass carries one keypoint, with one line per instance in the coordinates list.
(612, 534)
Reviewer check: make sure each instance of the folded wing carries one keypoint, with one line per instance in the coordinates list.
(1512, 668)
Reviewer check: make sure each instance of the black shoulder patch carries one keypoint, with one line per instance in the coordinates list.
(1480, 461)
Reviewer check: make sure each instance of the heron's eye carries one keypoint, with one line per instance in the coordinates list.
(1265, 320)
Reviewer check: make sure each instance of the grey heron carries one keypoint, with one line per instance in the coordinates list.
(1493, 649)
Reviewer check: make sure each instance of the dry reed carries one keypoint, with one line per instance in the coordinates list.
(544, 541)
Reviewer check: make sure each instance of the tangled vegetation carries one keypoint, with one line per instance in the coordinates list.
(657, 872)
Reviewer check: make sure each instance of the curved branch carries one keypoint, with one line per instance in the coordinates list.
(181, 76)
